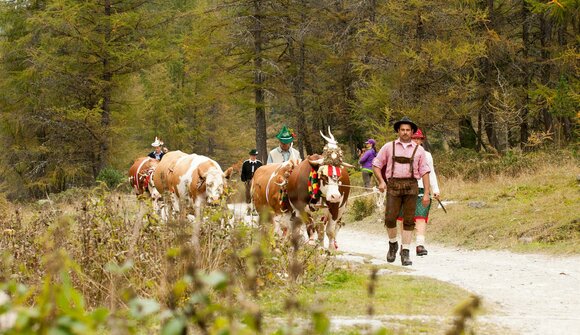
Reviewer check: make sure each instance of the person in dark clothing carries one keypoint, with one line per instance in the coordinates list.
(248, 168)
(157, 153)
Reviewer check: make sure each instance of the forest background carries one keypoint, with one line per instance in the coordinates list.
(85, 86)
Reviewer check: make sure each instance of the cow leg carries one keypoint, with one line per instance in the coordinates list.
(196, 222)
(310, 227)
(331, 234)
(320, 228)
(297, 235)
(284, 223)
(175, 203)
(332, 227)
(161, 209)
(197, 205)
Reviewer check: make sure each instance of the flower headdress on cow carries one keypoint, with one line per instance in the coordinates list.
(285, 136)
(332, 154)
(157, 142)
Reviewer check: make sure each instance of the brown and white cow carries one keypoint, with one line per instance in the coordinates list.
(141, 178)
(334, 188)
(267, 184)
(193, 180)
(334, 184)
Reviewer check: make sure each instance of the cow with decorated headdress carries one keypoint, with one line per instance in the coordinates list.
(296, 189)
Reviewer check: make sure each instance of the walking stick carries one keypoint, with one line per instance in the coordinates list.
(441, 204)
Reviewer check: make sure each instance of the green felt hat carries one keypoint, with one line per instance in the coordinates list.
(285, 136)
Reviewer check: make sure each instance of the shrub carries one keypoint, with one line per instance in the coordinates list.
(363, 207)
(111, 177)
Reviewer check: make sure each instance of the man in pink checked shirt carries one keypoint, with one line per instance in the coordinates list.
(397, 167)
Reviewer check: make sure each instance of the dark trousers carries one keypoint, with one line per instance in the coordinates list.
(401, 193)
(367, 178)
(248, 188)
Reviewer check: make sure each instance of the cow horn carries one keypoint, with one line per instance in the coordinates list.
(316, 162)
(331, 141)
(345, 164)
(326, 138)
(331, 136)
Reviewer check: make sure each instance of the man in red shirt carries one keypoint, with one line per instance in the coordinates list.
(397, 167)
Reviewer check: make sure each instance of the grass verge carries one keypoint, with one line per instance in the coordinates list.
(535, 211)
(530, 213)
(401, 303)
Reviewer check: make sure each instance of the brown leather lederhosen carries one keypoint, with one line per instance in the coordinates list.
(401, 192)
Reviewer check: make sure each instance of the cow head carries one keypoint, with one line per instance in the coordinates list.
(151, 186)
(330, 169)
(214, 179)
(329, 176)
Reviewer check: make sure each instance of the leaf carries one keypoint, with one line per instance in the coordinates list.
(141, 308)
(321, 323)
(115, 268)
(174, 326)
(217, 280)
(100, 315)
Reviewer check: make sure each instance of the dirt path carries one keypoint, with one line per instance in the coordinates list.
(531, 294)
(535, 294)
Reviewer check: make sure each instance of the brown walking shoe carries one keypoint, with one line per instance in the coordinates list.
(421, 251)
(392, 254)
(405, 258)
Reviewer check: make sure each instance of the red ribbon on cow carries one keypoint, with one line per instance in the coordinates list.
(333, 171)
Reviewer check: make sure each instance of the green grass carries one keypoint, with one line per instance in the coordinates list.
(344, 293)
(534, 212)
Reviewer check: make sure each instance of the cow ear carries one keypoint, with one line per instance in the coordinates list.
(228, 173)
(200, 173)
(345, 164)
(316, 162)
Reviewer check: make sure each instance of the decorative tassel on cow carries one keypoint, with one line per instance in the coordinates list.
(314, 185)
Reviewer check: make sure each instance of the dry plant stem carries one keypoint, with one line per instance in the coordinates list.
(371, 290)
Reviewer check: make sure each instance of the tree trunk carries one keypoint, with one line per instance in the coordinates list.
(524, 132)
(107, 90)
(488, 115)
(298, 83)
(467, 135)
(479, 132)
(259, 83)
(545, 38)
(563, 120)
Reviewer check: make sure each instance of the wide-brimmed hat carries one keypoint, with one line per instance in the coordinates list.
(405, 120)
(253, 152)
(157, 142)
(371, 141)
(418, 134)
(285, 136)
